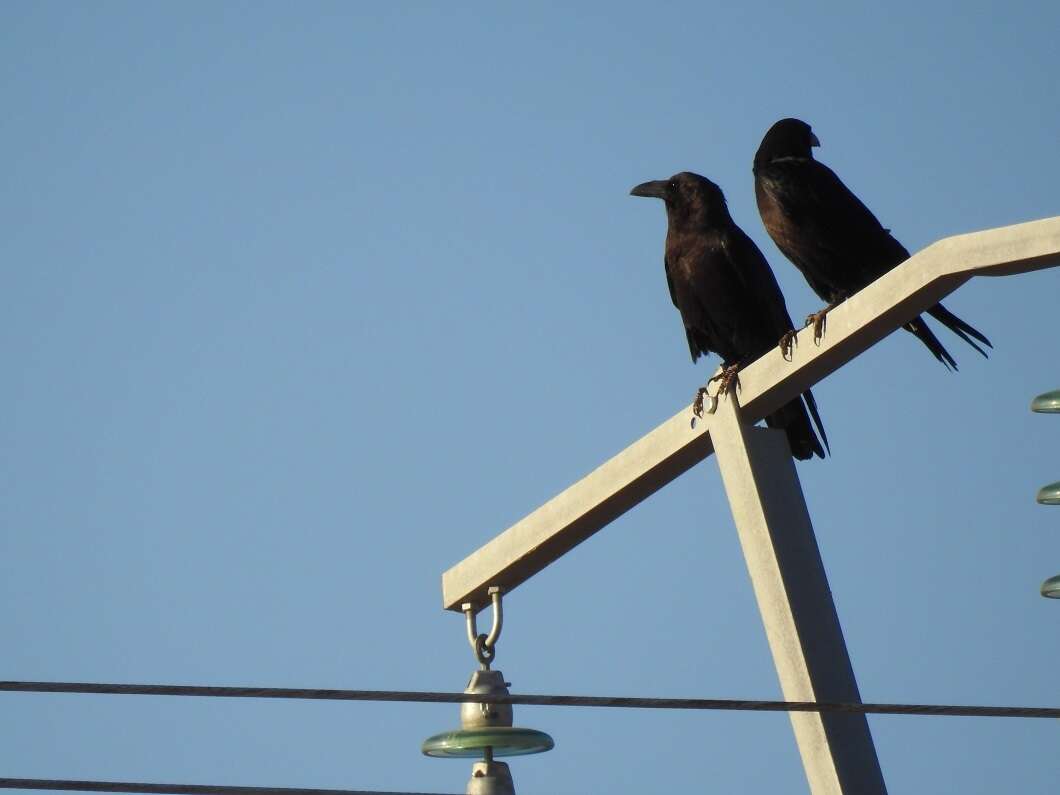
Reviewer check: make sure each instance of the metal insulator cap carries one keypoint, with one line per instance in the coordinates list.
(1051, 587)
(1049, 495)
(476, 715)
(1047, 403)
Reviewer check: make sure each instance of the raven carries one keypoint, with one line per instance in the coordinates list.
(729, 299)
(825, 230)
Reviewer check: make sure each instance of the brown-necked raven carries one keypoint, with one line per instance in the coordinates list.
(729, 299)
(825, 230)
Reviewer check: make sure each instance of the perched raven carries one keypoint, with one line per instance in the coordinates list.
(728, 298)
(829, 234)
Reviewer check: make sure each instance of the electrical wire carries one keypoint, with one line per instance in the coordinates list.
(179, 789)
(531, 700)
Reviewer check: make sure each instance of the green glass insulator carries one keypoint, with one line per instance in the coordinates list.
(504, 740)
(1048, 403)
(1051, 587)
(1049, 495)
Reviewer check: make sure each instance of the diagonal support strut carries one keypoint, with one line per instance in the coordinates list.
(795, 602)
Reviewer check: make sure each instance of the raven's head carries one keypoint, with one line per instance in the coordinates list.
(687, 196)
(787, 138)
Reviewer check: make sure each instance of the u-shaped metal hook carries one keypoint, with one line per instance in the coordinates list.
(484, 646)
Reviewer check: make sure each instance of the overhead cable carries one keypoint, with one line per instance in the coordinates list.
(179, 789)
(531, 700)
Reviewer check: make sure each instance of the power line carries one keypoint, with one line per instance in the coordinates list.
(179, 789)
(530, 700)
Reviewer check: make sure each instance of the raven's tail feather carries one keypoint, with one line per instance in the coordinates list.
(793, 419)
(811, 404)
(958, 327)
(919, 328)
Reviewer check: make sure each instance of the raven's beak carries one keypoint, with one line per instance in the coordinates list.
(656, 189)
(813, 140)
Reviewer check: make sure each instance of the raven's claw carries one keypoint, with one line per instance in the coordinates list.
(788, 343)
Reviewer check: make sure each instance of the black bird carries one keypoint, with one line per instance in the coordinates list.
(729, 300)
(829, 235)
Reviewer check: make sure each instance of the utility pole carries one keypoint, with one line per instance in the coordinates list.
(764, 494)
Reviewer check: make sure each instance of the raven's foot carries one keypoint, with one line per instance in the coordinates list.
(819, 320)
(728, 378)
(787, 344)
(697, 404)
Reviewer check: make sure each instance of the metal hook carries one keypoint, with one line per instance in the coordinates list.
(484, 645)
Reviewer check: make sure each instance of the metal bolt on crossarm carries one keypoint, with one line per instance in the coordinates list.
(486, 729)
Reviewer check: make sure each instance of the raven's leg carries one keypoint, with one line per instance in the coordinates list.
(819, 320)
(728, 378)
(787, 344)
(697, 403)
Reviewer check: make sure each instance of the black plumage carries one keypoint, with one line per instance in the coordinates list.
(729, 299)
(826, 231)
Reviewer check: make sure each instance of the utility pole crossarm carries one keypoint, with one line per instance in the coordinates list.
(895, 298)
(576, 513)
(767, 383)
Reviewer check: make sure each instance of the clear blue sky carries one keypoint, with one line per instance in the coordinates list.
(299, 305)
